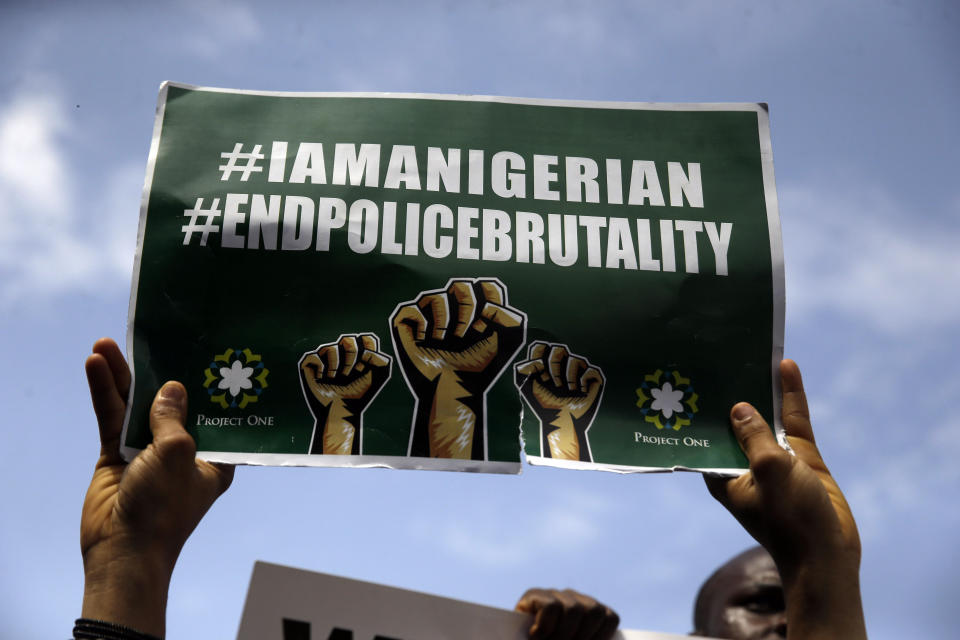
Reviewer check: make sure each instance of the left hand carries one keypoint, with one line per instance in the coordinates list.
(137, 516)
(567, 615)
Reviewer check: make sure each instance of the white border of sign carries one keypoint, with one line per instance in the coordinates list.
(776, 257)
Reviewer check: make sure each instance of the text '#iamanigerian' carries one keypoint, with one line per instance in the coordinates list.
(399, 226)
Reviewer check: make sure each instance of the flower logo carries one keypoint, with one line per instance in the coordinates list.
(667, 399)
(235, 378)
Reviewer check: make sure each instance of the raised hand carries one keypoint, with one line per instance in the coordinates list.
(567, 615)
(137, 516)
(340, 379)
(564, 391)
(793, 507)
(452, 344)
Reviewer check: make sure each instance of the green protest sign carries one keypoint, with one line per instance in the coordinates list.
(415, 280)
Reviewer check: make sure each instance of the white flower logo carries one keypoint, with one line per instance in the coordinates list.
(235, 378)
(665, 400)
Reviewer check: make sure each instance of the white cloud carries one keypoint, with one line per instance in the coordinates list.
(581, 24)
(911, 480)
(885, 421)
(733, 31)
(121, 216)
(551, 531)
(219, 26)
(863, 255)
(50, 241)
(32, 169)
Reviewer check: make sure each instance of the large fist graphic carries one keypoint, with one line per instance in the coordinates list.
(452, 345)
(339, 381)
(564, 391)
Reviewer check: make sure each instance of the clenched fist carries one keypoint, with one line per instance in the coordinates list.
(339, 380)
(564, 391)
(452, 344)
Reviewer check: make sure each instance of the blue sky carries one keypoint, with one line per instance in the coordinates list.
(863, 100)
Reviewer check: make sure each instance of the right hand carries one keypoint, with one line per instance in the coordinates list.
(567, 615)
(792, 505)
(789, 503)
(137, 516)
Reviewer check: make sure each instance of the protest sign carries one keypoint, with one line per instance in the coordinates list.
(415, 280)
(284, 603)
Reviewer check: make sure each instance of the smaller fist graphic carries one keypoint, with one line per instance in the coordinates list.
(340, 379)
(564, 391)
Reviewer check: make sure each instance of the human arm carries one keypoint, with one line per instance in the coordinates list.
(792, 505)
(567, 615)
(137, 516)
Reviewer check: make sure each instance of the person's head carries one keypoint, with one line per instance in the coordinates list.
(742, 600)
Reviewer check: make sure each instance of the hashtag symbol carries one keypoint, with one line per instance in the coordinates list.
(233, 157)
(208, 225)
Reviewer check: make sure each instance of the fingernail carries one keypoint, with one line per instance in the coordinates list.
(743, 412)
(172, 394)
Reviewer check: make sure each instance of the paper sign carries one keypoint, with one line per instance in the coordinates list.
(415, 280)
(291, 604)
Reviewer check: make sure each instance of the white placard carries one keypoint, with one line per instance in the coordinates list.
(284, 603)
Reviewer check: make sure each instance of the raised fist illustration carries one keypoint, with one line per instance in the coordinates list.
(564, 391)
(340, 379)
(452, 345)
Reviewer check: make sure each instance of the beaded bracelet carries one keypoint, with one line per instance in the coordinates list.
(86, 629)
